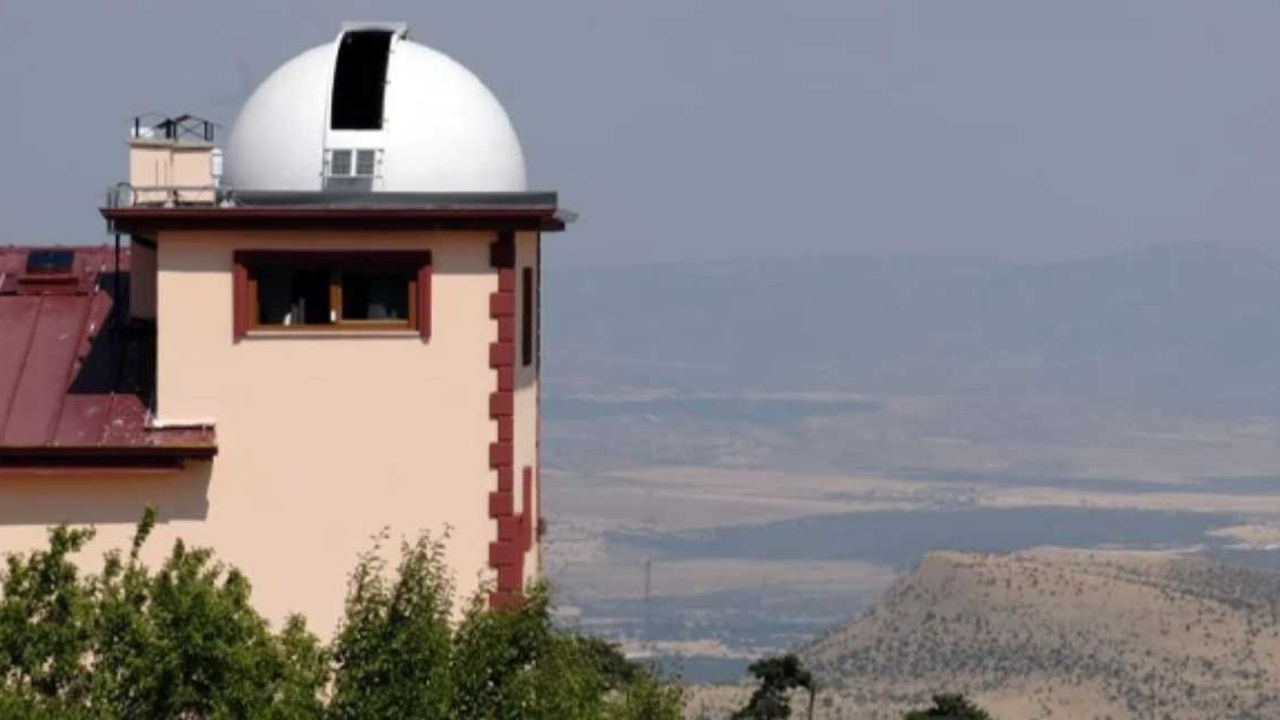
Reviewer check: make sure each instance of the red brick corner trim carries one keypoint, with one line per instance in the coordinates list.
(514, 529)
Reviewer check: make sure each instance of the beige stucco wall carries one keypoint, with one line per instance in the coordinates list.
(323, 440)
(33, 501)
(193, 165)
(149, 163)
(167, 164)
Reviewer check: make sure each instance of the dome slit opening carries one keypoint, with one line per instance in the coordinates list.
(360, 80)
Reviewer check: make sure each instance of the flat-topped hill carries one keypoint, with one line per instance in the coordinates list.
(1056, 633)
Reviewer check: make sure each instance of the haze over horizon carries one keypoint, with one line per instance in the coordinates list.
(687, 131)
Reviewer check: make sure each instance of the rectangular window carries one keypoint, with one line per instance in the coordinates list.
(528, 320)
(360, 80)
(366, 291)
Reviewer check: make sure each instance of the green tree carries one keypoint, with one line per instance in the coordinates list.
(181, 642)
(306, 674)
(778, 677)
(949, 707)
(645, 697)
(392, 651)
(618, 671)
(47, 621)
(185, 642)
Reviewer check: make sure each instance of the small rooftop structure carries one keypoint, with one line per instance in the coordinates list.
(172, 161)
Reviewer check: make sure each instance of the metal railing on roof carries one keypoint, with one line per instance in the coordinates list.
(154, 126)
(123, 195)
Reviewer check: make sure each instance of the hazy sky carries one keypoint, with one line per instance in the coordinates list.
(682, 129)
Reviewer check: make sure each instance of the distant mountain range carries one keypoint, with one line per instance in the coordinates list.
(1195, 327)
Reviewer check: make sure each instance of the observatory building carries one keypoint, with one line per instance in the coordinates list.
(328, 329)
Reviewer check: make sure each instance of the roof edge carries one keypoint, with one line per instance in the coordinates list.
(146, 220)
(17, 454)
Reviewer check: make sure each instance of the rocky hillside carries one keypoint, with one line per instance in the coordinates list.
(1066, 634)
(1084, 635)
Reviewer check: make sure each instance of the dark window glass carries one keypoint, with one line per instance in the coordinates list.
(293, 296)
(360, 80)
(527, 319)
(375, 296)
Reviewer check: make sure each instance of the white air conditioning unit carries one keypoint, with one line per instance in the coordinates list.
(351, 168)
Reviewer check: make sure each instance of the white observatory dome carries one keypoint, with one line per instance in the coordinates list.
(372, 111)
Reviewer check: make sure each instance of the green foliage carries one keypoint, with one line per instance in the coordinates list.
(618, 671)
(185, 642)
(47, 621)
(306, 674)
(392, 651)
(949, 707)
(181, 642)
(778, 677)
(646, 698)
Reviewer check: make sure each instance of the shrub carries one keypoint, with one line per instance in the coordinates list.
(185, 642)
(949, 707)
(778, 677)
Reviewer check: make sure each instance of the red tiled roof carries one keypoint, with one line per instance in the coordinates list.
(75, 384)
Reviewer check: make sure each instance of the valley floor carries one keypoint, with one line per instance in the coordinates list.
(707, 541)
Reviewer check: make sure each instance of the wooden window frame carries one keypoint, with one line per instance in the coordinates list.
(416, 263)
